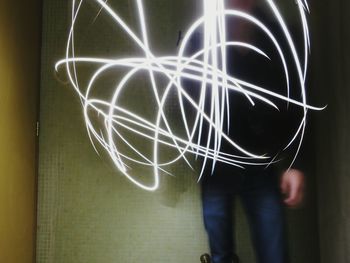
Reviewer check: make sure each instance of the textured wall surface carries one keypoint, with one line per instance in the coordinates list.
(20, 31)
(88, 212)
(332, 80)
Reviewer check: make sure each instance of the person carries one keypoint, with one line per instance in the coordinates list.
(262, 202)
(263, 190)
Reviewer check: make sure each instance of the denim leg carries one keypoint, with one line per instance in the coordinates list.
(263, 205)
(217, 215)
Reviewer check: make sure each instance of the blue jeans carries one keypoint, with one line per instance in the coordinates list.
(262, 203)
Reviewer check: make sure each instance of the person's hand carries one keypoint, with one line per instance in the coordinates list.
(292, 186)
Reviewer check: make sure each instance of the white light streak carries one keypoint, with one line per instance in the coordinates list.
(208, 67)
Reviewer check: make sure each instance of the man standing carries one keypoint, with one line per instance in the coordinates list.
(263, 190)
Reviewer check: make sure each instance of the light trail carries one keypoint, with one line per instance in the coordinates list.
(209, 68)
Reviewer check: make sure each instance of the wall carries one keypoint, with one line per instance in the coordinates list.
(332, 81)
(87, 211)
(19, 85)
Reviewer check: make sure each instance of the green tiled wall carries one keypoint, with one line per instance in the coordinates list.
(87, 211)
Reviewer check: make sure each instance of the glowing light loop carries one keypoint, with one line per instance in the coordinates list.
(208, 67)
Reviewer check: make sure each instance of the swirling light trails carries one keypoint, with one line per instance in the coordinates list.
(209, 67)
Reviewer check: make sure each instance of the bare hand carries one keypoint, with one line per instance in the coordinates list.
(292, 186)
